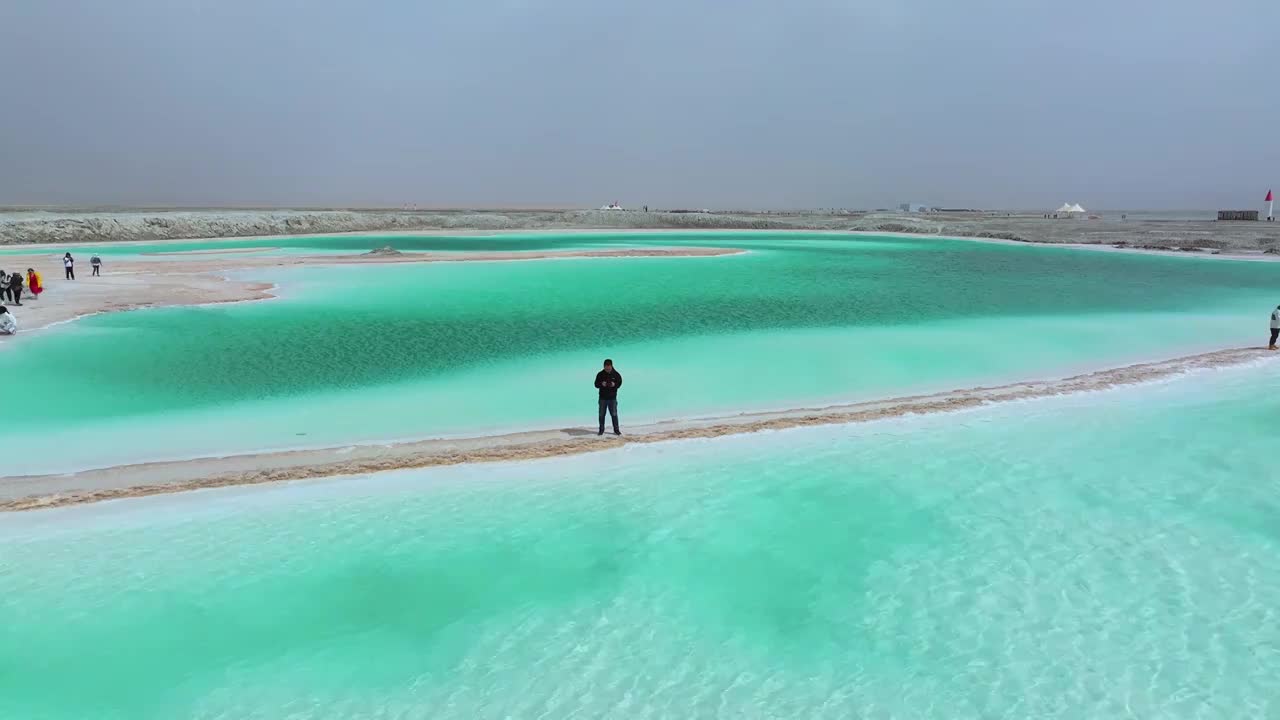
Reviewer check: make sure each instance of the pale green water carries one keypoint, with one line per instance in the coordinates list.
(396, 352)
(1110, 555)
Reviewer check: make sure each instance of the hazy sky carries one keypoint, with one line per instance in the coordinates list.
(724, 103)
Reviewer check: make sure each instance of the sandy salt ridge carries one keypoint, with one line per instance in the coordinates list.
(45, 491)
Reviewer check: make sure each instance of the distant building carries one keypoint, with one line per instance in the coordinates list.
(913, 208)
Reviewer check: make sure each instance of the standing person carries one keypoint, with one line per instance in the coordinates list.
(15, 288)
(5, 295)
(608, 381)
(8, 323)
(1275, 328)
(69, 265)
(96, 262)
(35, 283)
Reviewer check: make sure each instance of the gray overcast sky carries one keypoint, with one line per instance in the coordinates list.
(800, 103)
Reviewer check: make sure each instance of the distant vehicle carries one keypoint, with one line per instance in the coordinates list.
(612, 206)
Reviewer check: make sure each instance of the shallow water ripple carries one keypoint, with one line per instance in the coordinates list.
(1108, 556)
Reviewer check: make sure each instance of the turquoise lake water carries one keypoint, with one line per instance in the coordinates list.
(396, 352)
(1102, 555)
(1109, 555)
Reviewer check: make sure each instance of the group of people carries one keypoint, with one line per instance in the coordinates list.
(11, 288)
(14, 285)
(69, 266)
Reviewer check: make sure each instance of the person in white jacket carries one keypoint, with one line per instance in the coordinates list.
(8, 323)
(1275, 328)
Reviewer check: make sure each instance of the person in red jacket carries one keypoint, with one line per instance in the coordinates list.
(35, 283)
(608, 381)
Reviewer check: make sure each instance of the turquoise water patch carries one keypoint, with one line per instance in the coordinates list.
(820, 367)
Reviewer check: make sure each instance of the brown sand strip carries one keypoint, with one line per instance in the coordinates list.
(32, 492)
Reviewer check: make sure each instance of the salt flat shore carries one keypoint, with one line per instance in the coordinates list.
(64, 226)
(46, 491)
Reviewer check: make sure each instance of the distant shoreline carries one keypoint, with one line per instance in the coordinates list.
(48, 228)
(1163, 251)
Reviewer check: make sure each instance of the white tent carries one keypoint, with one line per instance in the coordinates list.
(1077, 209)
(1066, 208)
(1069, 211)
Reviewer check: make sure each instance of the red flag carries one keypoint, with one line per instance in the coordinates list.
(1268, 196)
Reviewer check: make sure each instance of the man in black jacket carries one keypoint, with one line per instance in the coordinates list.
(608, 381)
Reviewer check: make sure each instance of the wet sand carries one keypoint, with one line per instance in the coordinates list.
(44, 491)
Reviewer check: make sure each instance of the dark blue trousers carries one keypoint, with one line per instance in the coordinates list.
(611, 405)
